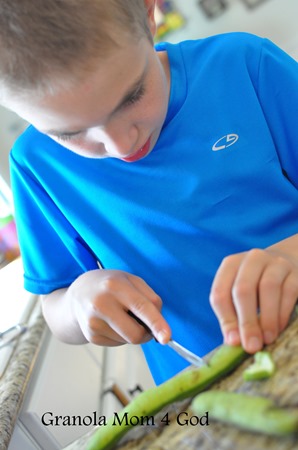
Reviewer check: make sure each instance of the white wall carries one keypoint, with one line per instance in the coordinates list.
(10, 128)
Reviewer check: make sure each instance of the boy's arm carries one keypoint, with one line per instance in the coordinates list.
(94, 309)
(254, 293)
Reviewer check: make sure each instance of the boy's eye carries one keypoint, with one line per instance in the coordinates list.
(67, 137)
(64, 137)
(136, 96)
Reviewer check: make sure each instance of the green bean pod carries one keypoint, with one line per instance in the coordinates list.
(184, 385)
(257, 414)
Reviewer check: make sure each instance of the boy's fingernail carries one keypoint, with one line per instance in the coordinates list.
(254, 344)
(233, 337)
(162, 337)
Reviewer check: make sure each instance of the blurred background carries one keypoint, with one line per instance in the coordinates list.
(274, 19)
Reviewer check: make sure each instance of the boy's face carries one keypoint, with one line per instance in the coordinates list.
(118, 110)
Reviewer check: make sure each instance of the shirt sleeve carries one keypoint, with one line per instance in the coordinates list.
(278, 94)
(53, 253)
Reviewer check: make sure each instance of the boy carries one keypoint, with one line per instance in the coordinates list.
(152, 178)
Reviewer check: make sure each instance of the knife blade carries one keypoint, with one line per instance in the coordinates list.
(192, 358)
(189, 356)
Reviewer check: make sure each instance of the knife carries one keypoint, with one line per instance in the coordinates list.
(178, 348)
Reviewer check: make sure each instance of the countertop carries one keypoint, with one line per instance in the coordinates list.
(14, 381)
(281, 387)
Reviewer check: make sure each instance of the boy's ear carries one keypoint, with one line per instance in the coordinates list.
(150, 6)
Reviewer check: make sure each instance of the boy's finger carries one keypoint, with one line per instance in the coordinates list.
(114, 323)
(270, 298)
(223, 307)
(222, 302)
(145, 304)
(245, 298)
(289, 299)
(146, 290)
(152, 319)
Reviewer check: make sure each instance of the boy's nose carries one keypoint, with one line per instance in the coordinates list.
(118, 140)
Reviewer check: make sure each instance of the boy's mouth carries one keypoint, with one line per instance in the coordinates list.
(139, 154)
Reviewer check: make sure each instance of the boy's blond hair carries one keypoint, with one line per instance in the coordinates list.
(42, 41)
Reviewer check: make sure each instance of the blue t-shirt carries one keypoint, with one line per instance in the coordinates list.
(222, 179)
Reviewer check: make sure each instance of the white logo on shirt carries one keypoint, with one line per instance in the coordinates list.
(225, 141)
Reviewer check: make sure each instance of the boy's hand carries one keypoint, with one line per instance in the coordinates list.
(101, 301)
(253, 295)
